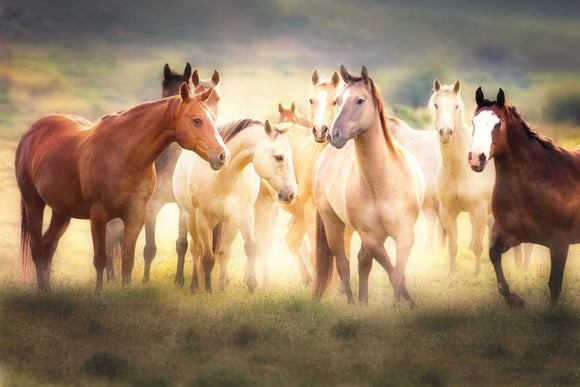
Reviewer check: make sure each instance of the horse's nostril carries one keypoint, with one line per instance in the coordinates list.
(469, 156)
(222, 157)
(335, 134)
(441, 132)
(324, 130)
(291, 197)
(314, 131)
(482, 158)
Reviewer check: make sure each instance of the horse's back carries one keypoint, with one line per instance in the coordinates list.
(47, 159)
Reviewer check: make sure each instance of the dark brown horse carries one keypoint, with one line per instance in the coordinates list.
(164, 166)
(536, 197)
(103, 172)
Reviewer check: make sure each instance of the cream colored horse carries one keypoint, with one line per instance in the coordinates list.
(371, 185)
(227, 197)
(306, 147)
(292, 115)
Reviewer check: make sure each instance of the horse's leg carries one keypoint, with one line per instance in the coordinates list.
(205, 237)
(518, 252)
(133, 225)
(56, 229)
(150, 248)
(334, 229)
(558, 256)
(196, 250)
(34, 208)
(245, 221)
(98, 218)
(114, 242)
(224, 253)
(365, 263)
(478, 226)
(181, 246)
(498, 247)
(294, 238)
(449, 220)
(265, 214)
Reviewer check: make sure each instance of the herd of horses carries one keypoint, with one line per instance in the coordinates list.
(348, 167)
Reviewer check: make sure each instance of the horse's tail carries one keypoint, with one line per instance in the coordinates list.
(324, 259)
(25, 255)
(217, 238)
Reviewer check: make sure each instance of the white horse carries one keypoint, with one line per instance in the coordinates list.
(372, 185)
(460, 189)
(227, 197)
(423, 144)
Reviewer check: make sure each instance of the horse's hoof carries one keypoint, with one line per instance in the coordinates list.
(179, 281)
(515, 302)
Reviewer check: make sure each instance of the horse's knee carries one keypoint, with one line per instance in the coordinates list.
(181, 246)
(149, 252)
(250, 247)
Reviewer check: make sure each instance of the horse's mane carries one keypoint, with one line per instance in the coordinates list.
(120, 117)
(546, 142)
(229, 130)
(382, 114)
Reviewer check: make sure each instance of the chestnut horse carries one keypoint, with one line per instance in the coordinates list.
(164, 166)
(371, 185)
(537, 186)
(103, 172)
(292, 115)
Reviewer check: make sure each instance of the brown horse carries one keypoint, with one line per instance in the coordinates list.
(103, 172)
(536, 193)
(292, 115)
(164, 166)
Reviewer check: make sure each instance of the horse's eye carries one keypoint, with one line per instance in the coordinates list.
(334, 103)
(360, 101)
(197, 121)
(311, 101)
(498, 125)
(456, 107)
(435, 105)
(279, 157)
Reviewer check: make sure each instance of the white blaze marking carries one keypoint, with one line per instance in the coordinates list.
(483, 124)
(321, 107)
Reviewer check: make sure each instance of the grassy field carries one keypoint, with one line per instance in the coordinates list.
(92, 58)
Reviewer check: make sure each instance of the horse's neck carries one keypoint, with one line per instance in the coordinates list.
(242, 148)
(454, 153)
(141, 134)
(373, 155)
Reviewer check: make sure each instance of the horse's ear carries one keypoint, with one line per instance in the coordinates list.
(500, 98)
(166, 71)
(364, 74)
(268, 128)
(184, 92)
(436, 84)
(457, 86)
(215, 78)
(315, 78)
(203, 97)
(280, 107)
(479, 96)
(293, 107)
(335, 79)
(344, 74)
(187, 71)
(195, 78)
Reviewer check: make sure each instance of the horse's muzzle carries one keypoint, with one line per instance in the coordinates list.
(219, 160)
(288, 196)
(477, 163)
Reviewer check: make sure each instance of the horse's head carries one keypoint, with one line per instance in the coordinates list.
(287, 115)
(323, 106)
(203, 85)
(357, 108)
(172, 81)
(488, 130)
(447, 109)
(195, 130)
(273, 163)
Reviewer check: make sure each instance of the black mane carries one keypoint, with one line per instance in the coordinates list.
(546, 142)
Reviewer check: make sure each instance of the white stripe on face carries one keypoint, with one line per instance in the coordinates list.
(483, 125)
(321, 107)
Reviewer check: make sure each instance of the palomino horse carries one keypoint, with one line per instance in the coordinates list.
(227, 197)
(372, 185)
(164, 166)
(537, 186)
(292, 115)
(423, 146)
(458, 188)
(103, 172)
(306, 148)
